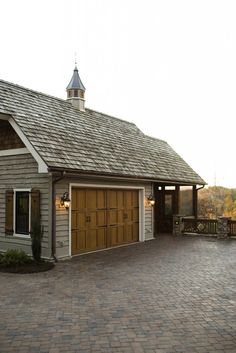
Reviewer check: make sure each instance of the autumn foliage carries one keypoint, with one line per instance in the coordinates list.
(217, 201)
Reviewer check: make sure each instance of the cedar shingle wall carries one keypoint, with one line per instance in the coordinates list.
(8, 137)
(22, 172)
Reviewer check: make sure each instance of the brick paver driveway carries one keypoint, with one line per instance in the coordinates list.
(167, 295)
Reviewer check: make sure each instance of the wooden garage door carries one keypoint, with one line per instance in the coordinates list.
(103, 218)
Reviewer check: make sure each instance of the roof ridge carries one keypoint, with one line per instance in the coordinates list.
(65, 101)
(156, 139)
(113, 117)
(32, 90)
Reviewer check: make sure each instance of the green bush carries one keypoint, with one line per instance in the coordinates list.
(36, 236)
(15, 257)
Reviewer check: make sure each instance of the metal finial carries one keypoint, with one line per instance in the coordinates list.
(75, 59)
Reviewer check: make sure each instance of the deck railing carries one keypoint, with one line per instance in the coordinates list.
(200, 226)
(231, 228)
(222, 227)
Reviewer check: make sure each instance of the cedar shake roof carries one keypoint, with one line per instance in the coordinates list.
(89, 141)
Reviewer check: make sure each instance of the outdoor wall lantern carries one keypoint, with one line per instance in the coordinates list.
(151, 200)
(65, 200)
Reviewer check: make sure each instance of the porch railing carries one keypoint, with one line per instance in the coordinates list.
(200, 226)
(222, 227)
(231, 228)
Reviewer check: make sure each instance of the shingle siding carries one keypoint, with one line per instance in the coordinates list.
(8, 137)
(21, 171)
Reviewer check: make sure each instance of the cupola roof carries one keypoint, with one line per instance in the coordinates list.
(75, 82)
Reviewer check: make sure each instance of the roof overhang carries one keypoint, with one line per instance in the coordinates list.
(74, 173)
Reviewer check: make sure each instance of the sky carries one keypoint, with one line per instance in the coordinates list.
(169, 66)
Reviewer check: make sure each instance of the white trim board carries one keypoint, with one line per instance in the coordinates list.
(42, 167)
(121, 187)
(14, 152)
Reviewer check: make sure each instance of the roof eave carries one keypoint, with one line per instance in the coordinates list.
(76, 172)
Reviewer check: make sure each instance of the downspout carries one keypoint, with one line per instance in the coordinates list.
(201, 187)
(196, 210)
(54, 181)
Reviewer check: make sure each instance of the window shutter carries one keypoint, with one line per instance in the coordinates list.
(35, 207)
(9, 212)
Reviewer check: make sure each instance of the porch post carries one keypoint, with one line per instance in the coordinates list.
(222, 229)
(176, 209)
(195, 201)
(177, 225)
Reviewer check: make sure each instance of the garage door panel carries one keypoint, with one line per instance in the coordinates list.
(112, 238)
(112, 198)
(91, 240)
(120, 216)
(91, 199)
(135, 215)
(135, 199)
(113, 217)
(91, 219)
(120, 235)
(128, 199)
(120, 199)
(81, 199)
(101, 199)
(81, 220)
(101, 238)
(129, 232)
(81, 241)
(74, 220)
(74, 237)
(103, 218)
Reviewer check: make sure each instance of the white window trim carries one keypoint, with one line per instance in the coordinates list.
(110, 186)
(27, 236)
(14, 152)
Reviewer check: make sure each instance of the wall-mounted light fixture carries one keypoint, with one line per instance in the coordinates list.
(151, 200)
(65, 200)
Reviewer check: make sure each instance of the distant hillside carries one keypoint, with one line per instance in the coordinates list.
(217, 201)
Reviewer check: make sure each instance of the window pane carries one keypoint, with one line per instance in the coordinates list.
(186, 200)
(168, 205)
(22, 213)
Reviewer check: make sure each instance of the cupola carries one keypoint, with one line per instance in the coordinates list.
(75, 91)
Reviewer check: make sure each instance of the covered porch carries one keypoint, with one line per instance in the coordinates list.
(173, 199)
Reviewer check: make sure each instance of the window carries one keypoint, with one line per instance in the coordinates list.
(186, 200)
(22, 212)
(168, 205)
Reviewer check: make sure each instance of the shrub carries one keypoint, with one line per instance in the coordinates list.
(36, 236)
(15, 257)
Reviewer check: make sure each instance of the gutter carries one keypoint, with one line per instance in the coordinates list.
(201, 187)
(75, 173)
(54, 181)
